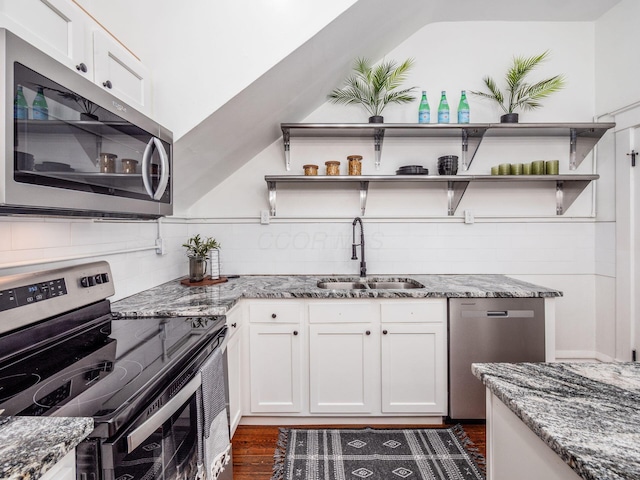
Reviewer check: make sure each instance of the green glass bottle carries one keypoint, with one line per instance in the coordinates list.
(20, 105)
(443, 109)
(39, 107)
(463, 108)
(424, 112)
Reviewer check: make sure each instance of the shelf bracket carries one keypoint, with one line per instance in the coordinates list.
(581, 142)
(455, 192)
(364, 189)
(286, 138)
(272, 197)
(470, 137)
(567, 192)
(378, 136)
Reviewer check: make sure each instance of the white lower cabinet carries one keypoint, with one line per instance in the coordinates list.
(275, 357)
(359, 357)
(413, 372)
(235, 352)
(342, 360)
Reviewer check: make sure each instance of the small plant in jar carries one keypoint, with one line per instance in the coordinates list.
(197, 250)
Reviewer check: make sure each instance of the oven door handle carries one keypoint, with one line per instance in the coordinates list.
(138, 436)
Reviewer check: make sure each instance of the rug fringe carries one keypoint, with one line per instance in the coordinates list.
(470, 447)
(280, 454)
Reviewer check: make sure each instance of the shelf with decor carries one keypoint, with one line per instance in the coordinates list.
(567, 186)
(582, 136)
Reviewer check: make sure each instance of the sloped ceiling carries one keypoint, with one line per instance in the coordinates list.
(297, 85)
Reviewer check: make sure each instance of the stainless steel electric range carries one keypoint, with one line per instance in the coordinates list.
(62, 353)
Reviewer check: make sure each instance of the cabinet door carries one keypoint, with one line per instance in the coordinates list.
(54, 26)
(342, 372)
(275, 366)
(234, 364)
(414, 368)
(118, 71)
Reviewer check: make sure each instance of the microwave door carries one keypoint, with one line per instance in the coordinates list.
(155, 144)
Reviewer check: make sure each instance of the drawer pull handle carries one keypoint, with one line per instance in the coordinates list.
(295, 332)
(81, 67)
(273, 315)
(107, 84)
(384, 332)
(368, 332)
(234, 325)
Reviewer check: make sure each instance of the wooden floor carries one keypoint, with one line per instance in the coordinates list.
(254, 446)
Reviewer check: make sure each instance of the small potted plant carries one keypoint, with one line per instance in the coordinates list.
(519, 93)
(197, 251)
(375, 87)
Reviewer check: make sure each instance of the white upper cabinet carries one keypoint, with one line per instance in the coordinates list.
(55, 26)
(118, 71)
(61, 29)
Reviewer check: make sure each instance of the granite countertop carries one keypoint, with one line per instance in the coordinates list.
(588, 413)
(29, 446)
(172, 299)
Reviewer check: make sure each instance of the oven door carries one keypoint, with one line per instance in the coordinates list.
(164, 446)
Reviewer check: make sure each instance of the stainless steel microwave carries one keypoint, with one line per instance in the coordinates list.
(72, 148)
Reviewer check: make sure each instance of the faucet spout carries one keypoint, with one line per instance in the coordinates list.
(354, 245)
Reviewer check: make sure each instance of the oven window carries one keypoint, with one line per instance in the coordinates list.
(170, 453)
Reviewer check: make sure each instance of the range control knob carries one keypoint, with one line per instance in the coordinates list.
(105, 277)
(98, 279)
(87, 282)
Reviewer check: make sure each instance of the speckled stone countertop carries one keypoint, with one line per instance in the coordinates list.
(588, 413)
(172, 299)
(29, 446)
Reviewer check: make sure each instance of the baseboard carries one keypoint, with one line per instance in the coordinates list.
(282, 421)
(582, 356)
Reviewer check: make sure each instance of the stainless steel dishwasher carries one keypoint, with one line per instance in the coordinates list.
(488, 330)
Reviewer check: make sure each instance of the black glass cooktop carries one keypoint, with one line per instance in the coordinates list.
(97, 370)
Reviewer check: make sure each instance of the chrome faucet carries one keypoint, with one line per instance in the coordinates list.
(354, 256)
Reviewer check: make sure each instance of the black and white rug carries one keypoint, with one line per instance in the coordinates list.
(377, 454)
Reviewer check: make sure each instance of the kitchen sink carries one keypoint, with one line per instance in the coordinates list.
(373, 284)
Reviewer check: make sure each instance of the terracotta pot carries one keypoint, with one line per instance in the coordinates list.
(509, 118)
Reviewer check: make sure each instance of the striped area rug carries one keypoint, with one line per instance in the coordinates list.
(377, 454)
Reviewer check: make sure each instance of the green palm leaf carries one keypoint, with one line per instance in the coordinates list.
(374, 88)
(519, 94)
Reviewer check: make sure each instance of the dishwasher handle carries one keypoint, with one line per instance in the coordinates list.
(497, 314)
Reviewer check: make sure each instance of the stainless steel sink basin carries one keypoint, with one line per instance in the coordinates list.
(342, 285)
(395, 285)
(374, 284)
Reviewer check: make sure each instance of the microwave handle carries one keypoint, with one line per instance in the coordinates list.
(142, 433)
(164, 168)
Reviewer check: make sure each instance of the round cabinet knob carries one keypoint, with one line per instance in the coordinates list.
(107, 84)
(234, 325)
(295, 332)
(81, 67)
(273, 315)
(384, 332)
(368, 332)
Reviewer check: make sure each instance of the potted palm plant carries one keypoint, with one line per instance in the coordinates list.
(197, 251)
(520, 94)
(375, 87)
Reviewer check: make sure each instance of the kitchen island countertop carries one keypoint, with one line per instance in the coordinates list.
(587, 413)
(172, 299)
(29, 446)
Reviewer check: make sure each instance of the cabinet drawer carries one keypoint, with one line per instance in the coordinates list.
(342, 312)
(275, 312)
(428, 310)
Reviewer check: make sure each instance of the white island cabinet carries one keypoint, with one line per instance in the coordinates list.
(65, 469)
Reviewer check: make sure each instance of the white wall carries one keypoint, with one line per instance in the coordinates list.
(43, 240)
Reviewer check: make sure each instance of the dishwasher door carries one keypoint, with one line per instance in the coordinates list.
(489, 330)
